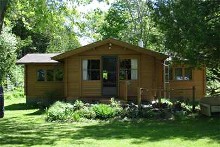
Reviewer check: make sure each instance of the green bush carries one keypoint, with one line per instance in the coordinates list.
(117, 106)
(104, 111)
(78, 105)
(15, 93)
(87, 112)
(75, 116)
(59, 111)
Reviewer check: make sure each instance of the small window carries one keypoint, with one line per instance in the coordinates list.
(58, 75)
(188, 74)
(183, 74)
(41, 75)
(178, 74)
(91, 69)
(128, 69)
(50, 75)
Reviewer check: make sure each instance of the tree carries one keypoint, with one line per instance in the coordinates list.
(43, 20)
(7, 53)
(3, 8)
(131, 21)
(191, 30)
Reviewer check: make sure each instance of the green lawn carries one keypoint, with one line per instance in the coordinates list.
(25, 126)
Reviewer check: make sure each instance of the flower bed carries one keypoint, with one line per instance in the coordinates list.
(80, 111)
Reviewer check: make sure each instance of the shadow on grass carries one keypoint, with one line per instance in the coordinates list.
(20, 106)
(38, 112)
(154, 130)
(28, 132)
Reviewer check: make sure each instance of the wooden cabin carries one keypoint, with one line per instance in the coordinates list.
(104, 69)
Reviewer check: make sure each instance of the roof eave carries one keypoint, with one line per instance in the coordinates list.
(109, 40)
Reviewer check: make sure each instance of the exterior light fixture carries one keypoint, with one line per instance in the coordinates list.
(109, 46)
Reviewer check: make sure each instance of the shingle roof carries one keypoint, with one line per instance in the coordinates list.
(37, 58)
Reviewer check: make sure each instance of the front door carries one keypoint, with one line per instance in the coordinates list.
(109, 76)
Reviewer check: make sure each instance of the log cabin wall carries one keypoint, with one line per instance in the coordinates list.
(198, 80)
(42, 91)
(149, 73)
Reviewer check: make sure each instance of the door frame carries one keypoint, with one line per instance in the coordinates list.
(116, 74)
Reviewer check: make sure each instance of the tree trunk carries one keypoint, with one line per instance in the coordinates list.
(3, 8)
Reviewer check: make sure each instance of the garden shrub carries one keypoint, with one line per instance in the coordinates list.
(59, 111)
(87, 112)
(75, 116)
(117, 106)
(131, 111)
(78, 111)
(104, 111)
(78, 105)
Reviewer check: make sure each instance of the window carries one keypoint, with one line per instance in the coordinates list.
(128, 69)
(50, 75)
(58, 75)
(178, 74)
(183, 73)
(91, 69)
(41, 75)
(188, 74)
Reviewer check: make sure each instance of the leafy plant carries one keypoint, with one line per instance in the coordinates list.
(104, 111)
(78, 105)
(87, 112)
(59, 111)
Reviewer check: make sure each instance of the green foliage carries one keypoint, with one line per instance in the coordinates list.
(78, 105)
(8, 44)
(16, 93)
(116, 22)
(60, 111)
(30, 41)
(104, 111)
(131, 21)
(86, 112)
(45, 23)
(191, 30)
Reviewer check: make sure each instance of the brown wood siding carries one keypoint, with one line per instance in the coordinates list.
(74, 77)
(91, 88)
(149, 76)
(94, 88)
(197, 81)
(41, 89)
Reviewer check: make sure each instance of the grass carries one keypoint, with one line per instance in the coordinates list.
(25, 126)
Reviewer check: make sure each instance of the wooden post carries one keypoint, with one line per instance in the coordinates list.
(140, 91)
(126, 86)
(193, 98)
(126, 90)
(159, 98)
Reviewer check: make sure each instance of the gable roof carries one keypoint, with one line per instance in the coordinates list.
(113, 41)
(37, 58)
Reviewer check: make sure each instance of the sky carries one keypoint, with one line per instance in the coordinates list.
(93, 5)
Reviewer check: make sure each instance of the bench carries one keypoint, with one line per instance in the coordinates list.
(209, 105)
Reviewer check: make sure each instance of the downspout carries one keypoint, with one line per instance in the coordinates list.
(164, 78)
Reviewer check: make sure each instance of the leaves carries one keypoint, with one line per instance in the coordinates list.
(7, 53)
